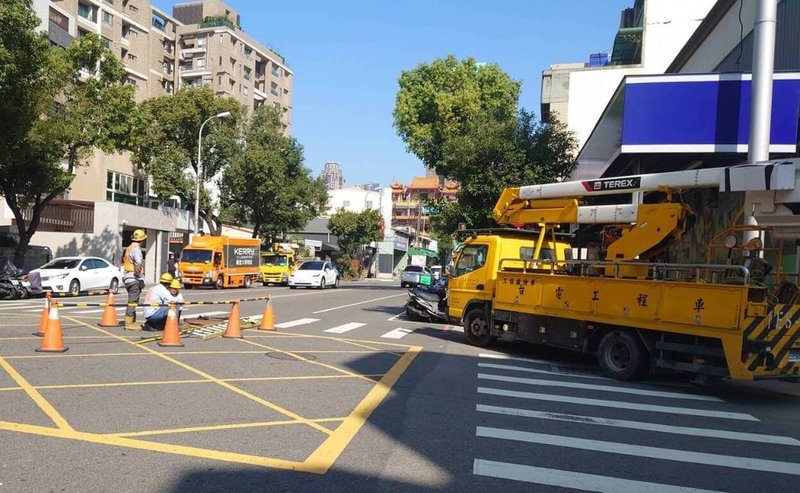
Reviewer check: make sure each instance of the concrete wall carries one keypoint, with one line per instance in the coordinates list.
(356, 198)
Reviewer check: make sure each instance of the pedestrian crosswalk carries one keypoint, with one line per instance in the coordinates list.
(546, 427)
(363, 329)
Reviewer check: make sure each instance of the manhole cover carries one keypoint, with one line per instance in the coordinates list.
(291, 357)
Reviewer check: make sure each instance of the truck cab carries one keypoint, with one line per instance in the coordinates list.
(474, 271)
(277, 266)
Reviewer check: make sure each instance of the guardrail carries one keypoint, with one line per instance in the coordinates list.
(184, 303)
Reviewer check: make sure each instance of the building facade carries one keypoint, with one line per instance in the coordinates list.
(332, 175)
(200, 44)
(650, 34)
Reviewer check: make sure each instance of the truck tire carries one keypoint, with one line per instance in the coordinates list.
(477, 327)
(623, 356)
(220, 282)
(248, 281)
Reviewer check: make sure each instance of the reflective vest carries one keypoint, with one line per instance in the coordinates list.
(127, 263)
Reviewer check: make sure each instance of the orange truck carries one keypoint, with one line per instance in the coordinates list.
(220, 261)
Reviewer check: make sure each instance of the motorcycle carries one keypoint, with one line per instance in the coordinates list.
(14, 284)
(428, 303)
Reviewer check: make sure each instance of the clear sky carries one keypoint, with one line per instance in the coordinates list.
(348, 55)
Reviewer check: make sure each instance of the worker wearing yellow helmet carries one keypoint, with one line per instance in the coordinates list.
(133, 275)
(165, 292)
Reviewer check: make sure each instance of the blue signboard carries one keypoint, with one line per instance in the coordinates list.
(704, 113)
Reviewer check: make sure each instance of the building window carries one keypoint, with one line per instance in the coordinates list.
(87, 12)
(274, 89)
(159, 22)
(246, 73)
(133, 8)
(131, 81)
(369, 204)
(131, 56)
(125, 189)
(276, 72)
(345, 203)
(201, 41)
(245, 91)
(248, 53)
(219, 80)
(110, 2)
(201, 63)
(108, 18)
(106, 42)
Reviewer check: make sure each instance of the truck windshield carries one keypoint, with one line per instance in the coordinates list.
(196, 256)
(280, 260)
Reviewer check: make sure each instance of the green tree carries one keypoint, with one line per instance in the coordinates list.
(167, 149)
(461, 120)
(442, 100)
(56, 106)
(355, 229)
(267, 184)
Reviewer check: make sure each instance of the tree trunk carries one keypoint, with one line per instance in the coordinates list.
(255, 230)
(27, 230)
(214, 224)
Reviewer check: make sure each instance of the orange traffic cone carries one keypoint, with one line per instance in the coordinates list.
(53, 340)
(45, 316)
(109, 313)
(233, 330)
(268, 319)
(172, 335)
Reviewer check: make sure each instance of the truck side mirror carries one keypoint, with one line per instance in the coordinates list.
(448, 271)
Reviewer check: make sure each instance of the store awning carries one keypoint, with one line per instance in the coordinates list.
(422, 251)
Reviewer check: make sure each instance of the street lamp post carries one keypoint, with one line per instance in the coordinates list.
(224, 114)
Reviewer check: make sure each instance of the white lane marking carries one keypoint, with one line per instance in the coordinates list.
(295, 323)
(18, 307)
(545, 372)
(602, 388)
(573, 480)
(90, 311)
(397, 333)
(732, 461)
(395, 317)
(529, 360)
(640, 425)
(341, 329)
(359, 303)
(618, 404)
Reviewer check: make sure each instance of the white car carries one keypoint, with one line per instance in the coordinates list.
(314, 274)
(75, 274)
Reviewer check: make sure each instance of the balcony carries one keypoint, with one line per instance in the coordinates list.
(218, 22)
(64, 216)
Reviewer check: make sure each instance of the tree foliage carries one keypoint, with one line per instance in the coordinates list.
(355, 229)
(56, 107)
(167, 149)
(267, 184)
(461, 119)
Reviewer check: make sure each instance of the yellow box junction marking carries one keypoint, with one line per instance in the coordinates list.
(319, 461)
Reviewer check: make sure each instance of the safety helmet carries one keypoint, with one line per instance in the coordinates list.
(166, 278)
(175, 284)
(139, 235)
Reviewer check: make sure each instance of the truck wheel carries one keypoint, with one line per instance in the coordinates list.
(220, 282)
(248, 281)
(477, 328)
(622, 355)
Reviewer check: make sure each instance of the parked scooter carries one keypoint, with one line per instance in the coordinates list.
(14, 284)
(428, 303)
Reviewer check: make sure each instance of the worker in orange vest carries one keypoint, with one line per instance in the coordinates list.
(133, 276)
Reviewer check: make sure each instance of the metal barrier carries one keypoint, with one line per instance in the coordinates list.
(185, 303)
(659, 271)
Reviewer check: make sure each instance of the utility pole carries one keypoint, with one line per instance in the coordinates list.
(761, 90)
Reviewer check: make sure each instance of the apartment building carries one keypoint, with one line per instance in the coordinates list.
(410, 210)
(200, 43)
(332, 175)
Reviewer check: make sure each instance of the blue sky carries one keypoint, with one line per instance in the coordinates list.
(347, 56)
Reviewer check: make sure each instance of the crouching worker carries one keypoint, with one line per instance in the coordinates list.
(164, 293)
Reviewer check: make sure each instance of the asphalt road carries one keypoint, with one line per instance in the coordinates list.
(347, 395)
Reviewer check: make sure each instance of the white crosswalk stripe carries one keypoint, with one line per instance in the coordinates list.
(602, 388)
(574, 480)
(618, 404)
(642, 451)
(640, 424)
(295, 323)
(397, 333)
(341, 329)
